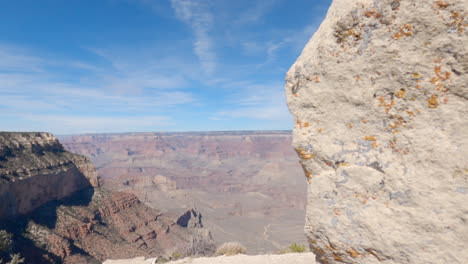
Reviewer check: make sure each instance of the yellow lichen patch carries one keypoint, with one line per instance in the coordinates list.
(411, 113)
(374, 145)
(404, 31)
(400, 93)
(306, 124)
(416, 75)
(320, 130)
(308, 174)
(357, 77)
(350, 125)
(353, 253)
(433, 101)
(343, 164)
(370, 138)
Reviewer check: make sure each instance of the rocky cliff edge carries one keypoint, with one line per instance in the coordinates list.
(36, 169)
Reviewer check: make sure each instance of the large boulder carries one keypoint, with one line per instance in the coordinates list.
(380, 100)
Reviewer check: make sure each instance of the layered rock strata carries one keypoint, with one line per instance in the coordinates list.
(36, 169)
(380, 100)
(50, 200)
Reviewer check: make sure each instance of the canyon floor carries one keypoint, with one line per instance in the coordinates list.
(248, 185)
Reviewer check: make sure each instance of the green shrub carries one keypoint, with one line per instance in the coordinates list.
(230, 249)
(176, 255)
(296, 248)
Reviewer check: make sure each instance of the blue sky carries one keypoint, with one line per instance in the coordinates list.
(93, 66)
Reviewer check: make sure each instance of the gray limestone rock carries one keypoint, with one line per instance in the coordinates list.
(380, 100)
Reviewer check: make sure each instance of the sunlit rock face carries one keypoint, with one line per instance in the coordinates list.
(380, 100)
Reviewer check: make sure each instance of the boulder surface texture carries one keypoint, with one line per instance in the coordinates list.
(380, 100)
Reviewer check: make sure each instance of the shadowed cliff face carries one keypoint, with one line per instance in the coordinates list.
(36, 169)
(248, 185)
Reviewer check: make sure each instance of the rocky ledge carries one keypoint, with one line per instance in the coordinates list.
(36, 169)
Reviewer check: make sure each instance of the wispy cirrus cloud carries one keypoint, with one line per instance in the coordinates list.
(100, 99)
(197, 15)
(256, 12)
(258, 102)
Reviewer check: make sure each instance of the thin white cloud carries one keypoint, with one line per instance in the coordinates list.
(197, 16)
(255, 12)
(257, 101)
(16, 59)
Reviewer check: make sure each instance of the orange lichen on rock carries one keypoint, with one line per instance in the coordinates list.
(353, 253)
(387, 106)
(458, 21)
(370, 138)
(404, 31)
(304, 154)
(369, 13)
(316, 79)
(433, 101)
(320, 130)
(441, 4)
(441, 76)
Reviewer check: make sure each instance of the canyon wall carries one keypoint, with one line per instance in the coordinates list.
(248, 184)
(380, 100)
(52, 204)
(36, 169)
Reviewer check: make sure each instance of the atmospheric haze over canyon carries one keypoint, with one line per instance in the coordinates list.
(248, 186)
